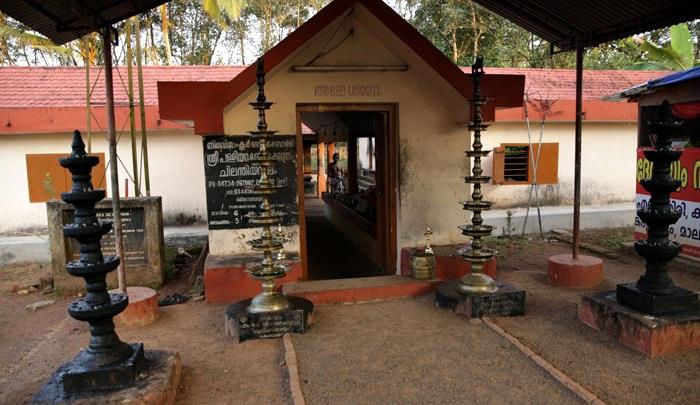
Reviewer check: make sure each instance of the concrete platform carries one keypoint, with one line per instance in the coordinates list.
(592, 217)
(652, 335)
(36, 247)
(158, 386)
(362, 289)
(225, 279)
(583, 272)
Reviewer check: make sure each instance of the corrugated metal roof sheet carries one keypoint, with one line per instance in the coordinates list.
(63, 21)
(675, 78)
(569, 23)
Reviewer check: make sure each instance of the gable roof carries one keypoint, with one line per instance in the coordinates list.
(206, 101)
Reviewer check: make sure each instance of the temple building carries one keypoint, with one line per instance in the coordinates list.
(358, 81)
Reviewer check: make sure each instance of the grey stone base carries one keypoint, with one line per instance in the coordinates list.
(155, 385)
(507, 301)
(242, 325)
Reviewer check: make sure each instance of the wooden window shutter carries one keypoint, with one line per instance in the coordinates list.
(548, 166)
(499, 154)
(47, 179)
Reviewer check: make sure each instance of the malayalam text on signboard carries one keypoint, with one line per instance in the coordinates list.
(686, 199)
(230, 175)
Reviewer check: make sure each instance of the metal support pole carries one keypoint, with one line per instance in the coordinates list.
(142, 105)
(132, 115)
(577, 154)
(113, 163)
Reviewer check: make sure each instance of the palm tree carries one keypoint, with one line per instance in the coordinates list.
(14, 33)
(229, 14)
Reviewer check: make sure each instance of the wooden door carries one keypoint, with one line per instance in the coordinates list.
(383, 161)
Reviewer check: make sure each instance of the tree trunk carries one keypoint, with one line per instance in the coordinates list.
(476, 31)
(166, 34)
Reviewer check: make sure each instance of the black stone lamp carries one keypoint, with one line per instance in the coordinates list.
(655, 293)
(107, 362)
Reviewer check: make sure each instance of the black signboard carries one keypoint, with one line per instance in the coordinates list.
(230, 175)
(133, 230)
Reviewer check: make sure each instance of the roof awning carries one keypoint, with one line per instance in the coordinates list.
(638, 91)
(64, 21)
(568, 24)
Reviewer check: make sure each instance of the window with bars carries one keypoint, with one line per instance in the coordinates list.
(515, 163)
(512, 163)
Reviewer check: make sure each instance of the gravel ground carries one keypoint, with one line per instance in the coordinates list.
(403, 351)
(410, 352)
(616, 374)
(216, 371)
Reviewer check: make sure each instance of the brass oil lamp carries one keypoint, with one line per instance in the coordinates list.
(477, 281)
(269, 242)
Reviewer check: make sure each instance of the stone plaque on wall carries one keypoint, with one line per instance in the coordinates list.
(133, 231)
(142, 227)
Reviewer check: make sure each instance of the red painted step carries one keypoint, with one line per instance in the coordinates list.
(362, 289)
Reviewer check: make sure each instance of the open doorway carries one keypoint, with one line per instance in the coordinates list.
(348, 190)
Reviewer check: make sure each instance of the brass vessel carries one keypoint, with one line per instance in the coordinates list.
(423, 263)
(477, 281)
(269, 242)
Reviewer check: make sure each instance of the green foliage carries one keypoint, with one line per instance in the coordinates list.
(18, 44)
(677, 54)
(189, 32)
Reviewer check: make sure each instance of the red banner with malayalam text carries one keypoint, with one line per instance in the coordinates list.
(686, 199)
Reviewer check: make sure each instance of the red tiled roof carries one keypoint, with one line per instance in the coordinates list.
(560, 84)
(65, 86)
(38, 99)
(32, 87)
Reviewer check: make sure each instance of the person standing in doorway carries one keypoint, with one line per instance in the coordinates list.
(335, 175)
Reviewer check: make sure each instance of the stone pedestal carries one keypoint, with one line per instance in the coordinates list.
(583, 272)
(142, 222)
(678, 300)
(651, 335)
(242, 325)
(506, 301)
(157, 385)
(142, 309)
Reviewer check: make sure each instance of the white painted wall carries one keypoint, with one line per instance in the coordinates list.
(176, 169)
(431, 140)
(608, 163)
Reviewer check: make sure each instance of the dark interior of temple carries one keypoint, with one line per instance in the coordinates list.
(341, 192)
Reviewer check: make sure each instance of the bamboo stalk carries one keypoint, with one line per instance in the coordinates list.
(112, 138)
(144, 134)
(132, 117)
(88, 88)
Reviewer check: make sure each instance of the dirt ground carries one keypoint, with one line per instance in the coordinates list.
(402, 351)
